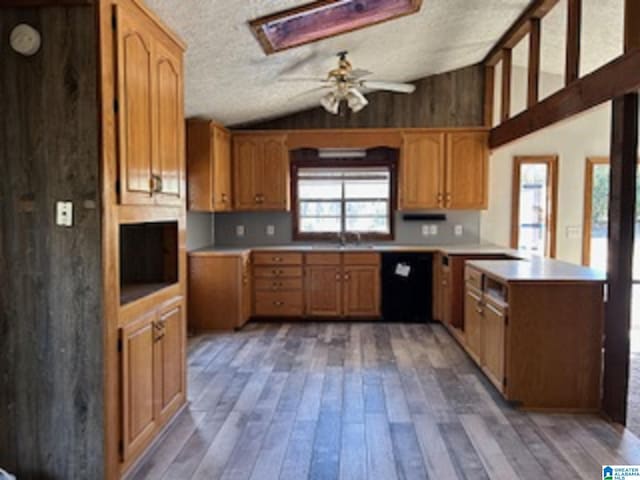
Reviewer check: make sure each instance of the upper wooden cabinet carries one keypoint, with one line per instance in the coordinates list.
(149, 110)
(422, 170)
(260, 172)
(444, 170)
(209, 166)
(467, 170)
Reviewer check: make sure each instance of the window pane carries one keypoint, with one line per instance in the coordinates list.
(319, 225)
(367, 224)
(320, 209)
(367, 189)
(533, 208)
(367, 208)
(319, 189)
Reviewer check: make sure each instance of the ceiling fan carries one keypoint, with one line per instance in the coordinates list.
(345, 84)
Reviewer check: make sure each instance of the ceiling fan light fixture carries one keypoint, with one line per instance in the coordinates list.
(331, 103)
(356, 100)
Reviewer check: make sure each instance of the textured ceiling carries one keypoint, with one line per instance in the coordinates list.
(229, 78)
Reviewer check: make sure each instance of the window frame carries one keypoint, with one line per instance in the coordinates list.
(308, 158)
(552, 199)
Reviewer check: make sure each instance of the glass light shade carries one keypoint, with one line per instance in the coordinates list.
(356, 100)
(331, 103)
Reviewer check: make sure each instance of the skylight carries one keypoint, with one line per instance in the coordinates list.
(325, 18)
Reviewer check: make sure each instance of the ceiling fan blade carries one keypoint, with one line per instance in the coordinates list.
(390, 86)
(303, 79)
(357, 73)
(309, 92)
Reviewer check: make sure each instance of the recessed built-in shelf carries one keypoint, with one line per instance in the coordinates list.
(148, 259)
(325, 18)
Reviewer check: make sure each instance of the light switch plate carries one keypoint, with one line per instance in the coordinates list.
(574, 233)
(433, 229)
(271, 230)
(458, 230)
(239, 230)
(425, 230)
(64, 214)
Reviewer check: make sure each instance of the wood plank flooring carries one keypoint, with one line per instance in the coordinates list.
(364, 401)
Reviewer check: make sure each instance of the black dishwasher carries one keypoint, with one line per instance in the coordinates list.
(407, 287)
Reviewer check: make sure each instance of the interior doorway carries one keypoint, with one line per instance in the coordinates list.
(594, 254)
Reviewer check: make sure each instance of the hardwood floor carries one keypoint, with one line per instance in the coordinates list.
(364, 401)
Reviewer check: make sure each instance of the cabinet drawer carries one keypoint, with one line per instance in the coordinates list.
(322, 259)
(358, 258)
(273, 304)
(278, 284)
(277, 258)
(473, 277)
(277, 272)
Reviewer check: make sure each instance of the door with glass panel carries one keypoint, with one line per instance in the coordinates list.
(535, 193)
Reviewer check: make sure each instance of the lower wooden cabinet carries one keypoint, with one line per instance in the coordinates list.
(323, 287)
(473, 323)
(152, 374)
(539, 342)
(342, 285)
(361, 291)
(220, 291)
(278, 284)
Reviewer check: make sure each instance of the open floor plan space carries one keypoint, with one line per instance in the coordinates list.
(365, 401)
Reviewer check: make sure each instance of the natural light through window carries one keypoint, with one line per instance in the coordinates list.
(347, 200)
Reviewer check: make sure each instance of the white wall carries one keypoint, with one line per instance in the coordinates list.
(573, 141)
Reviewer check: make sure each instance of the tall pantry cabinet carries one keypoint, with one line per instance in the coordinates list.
(144, 190)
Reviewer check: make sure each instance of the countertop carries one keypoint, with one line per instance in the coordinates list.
(537, 269)
(486, 249)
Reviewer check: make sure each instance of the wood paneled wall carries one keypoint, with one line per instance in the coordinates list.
(453, 99)
(51, 330)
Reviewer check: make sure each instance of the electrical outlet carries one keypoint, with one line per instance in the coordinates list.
(271, 230)
(458, 230)
(425, 230)
(433, 229)
(64, 214)
(239, 230)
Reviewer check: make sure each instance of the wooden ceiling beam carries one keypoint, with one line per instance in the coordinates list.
(533, 91)
(617, 78)
(574, 27)
(632, 20)
(538, 9)
(506, 84)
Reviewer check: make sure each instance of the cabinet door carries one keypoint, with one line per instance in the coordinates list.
(170, 359)
(200, 167)
(169, 153)
(361, 291)
(247, 290)
(323, 286)
(274, 174)
(422, 171)
(493, 353)
(139, 420)
(221, 194)
(473, 324)
(467, 170)
(247, 152)
(135, 112)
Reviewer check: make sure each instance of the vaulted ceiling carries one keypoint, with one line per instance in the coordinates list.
(229, 78)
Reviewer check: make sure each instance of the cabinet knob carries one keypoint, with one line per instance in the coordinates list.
(156, 183)
(224, 198)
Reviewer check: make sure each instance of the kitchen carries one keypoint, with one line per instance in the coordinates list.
(243, 284)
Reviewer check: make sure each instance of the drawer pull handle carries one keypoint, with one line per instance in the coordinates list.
(277, 259)
(278, 304)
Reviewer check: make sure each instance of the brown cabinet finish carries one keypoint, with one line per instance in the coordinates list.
(149, 112)
(323, 286)
(261, 172)
(219, 292)
(467, 171)
(422, 169)
(209, 166)
(135, 110)
(138, 364)
(361, 291)
(153, 374)
(540, 343)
